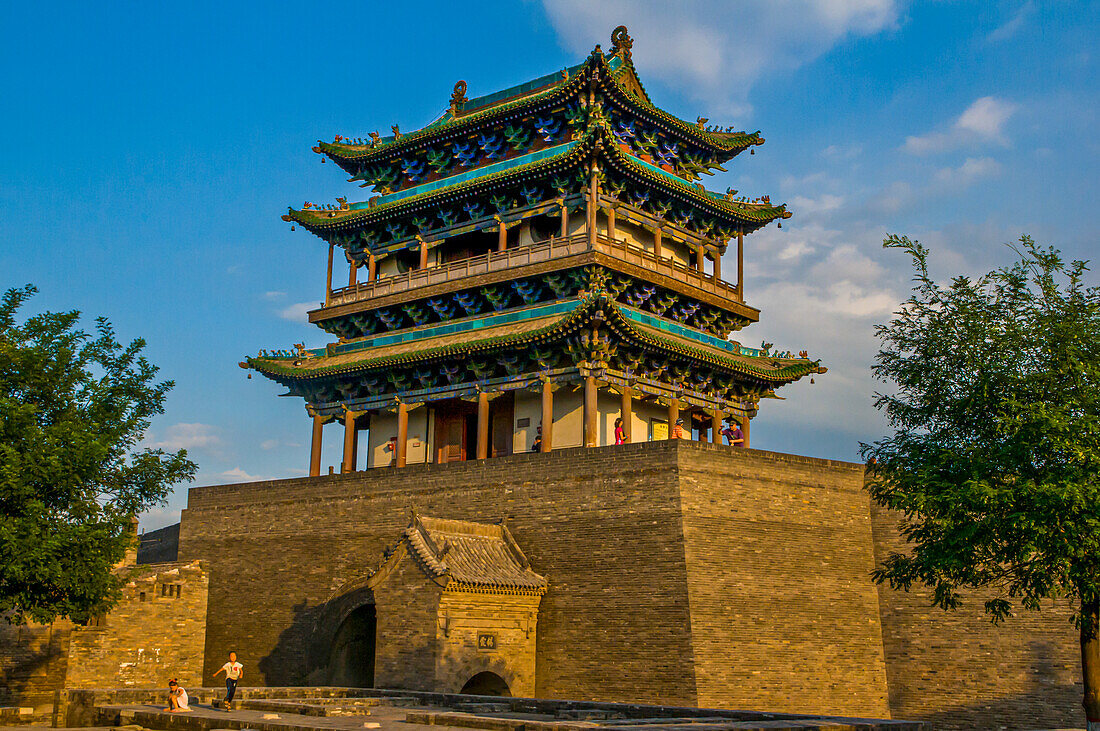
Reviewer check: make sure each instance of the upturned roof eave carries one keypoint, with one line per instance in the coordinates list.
(754, 217)
(724, 142)
(791, 370)
(718, 142)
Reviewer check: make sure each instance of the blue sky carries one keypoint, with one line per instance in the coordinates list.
(149, 150)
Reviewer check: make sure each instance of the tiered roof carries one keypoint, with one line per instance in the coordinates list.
(531, 326)
(531, 143)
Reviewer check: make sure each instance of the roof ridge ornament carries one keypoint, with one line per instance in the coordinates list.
(621, 43)
(458, 97)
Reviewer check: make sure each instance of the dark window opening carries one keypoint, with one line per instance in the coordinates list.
(465, 246)
(545, 227)
(406, 260)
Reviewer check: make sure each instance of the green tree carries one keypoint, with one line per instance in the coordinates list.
(73, 409)
(994, 460)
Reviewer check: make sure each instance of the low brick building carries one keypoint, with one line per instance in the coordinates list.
(156, 631)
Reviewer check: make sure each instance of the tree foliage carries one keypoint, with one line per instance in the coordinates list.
(994, 460)
(73, 410)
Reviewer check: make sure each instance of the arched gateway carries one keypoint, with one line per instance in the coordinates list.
(351, 659)
(453, 605)
(486, 683)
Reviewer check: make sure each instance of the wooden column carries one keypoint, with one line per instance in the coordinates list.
(741, 265)
(592, 203)
(328, 279)
(564, 219)
(590, 430)
(372, 268)
(423, 254)
(699, 260)
(315, 446)
(626, 412)
(657, 242)
(547, 416)
(402, 450)
(717, 263)
(349, 441)
(502, 237)
(673, 415)
(716, 427)
(745, 431)
(482, 425)
(611, 222)
(353, 272)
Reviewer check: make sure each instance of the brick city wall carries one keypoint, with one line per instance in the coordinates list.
(603, 525)
(633, 612)
(783, 615)
(956, 670)
(407, 609)
(156, 632)
(33, 664)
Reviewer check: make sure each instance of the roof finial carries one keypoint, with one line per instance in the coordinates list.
(458, 98)
(621, 42)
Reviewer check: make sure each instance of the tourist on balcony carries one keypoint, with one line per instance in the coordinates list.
(536, 446)
(620, 431)
(678, 430)
(734, 436)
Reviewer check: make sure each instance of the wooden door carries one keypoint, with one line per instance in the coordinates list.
(502, 411)
(450, 436)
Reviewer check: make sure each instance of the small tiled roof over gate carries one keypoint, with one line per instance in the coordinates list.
(469, 556)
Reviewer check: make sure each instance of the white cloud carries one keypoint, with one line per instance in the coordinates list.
(970, 171)
(718, 50)
(981, 123)
(237, 475)
(794, 251)
(825, 203)
(298, 312)
(274, 295)
(892, 199)
(269, 444)
(187, 436)
(1014, 24)
(842, 152)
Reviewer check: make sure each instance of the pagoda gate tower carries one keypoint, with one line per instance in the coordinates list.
(533, 265)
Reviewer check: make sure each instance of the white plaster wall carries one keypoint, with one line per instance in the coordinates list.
(383, 427)
(528, 406)
(568, 417)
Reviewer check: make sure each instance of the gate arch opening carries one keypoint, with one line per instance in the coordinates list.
(351, 659)
(486, 683)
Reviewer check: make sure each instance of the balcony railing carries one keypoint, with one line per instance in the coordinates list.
(542, 251)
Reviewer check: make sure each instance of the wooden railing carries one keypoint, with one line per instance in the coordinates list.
(548, 250)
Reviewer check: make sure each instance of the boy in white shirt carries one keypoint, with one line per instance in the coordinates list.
(233, 671)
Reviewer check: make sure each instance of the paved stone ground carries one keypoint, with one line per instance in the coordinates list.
(488, 716)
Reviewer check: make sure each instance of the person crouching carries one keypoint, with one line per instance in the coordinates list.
(177, 698)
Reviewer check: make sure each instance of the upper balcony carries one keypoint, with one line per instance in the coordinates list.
(540, 257)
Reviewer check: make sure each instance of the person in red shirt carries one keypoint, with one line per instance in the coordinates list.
(620, 432)
(678, 430)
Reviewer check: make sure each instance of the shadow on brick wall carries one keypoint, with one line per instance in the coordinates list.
(290, 661)
(1051, 703)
